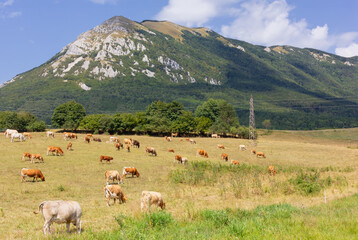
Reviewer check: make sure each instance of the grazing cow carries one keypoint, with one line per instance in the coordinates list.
(70, 136)
(202, 153)
(50, 134)
(35, 173)
(115, 192)
(174, 134)
(192, 141)
(260, 154)
(136, 143)
(187, 139)
(151, 150)
(9, 132)
(233, 162)
(27, 135)
(128, 141)
(242, 147)
(171, 150)
(89, 135)
(87, 139)
(225, 157)
(26, 155)
(36, 156)
(118, 146)
(57, 150)
(128, 170)
(221, 146)
(20, 136)
(184, 160)
(149, 198)
(114, 175)
(105, 158)
(272, 170)
(178, 158)
(169, 139)
(69, 146)
(96, 139)
(253, 151)
(128, 148)
(214, 135)
(61, 211)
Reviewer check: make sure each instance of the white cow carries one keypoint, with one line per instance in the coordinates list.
(48, 134)
(113, 175)
(8, 132)
(61, 211)
(148, 198)
(242, 147)
(20, 136)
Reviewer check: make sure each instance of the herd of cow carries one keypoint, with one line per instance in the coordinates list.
(70, 211)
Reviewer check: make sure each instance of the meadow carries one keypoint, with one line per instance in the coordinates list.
(313, 194)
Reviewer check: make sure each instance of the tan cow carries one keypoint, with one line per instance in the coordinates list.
(253, 151)
(69, 146)
(192, 141)
(115, 192)
(260, 154)
(242, 147)
(151, 150)
(128, 148)
(61, 211)
(35, 173)
(128, 170)
(56, 150)
(89, 135)
(174, 134)
(149, 198)
(202, 153)
(177, 158)
(128, 141)
(27, 135)
(87, 139)
(50, 134)
(114, 175)
(36, 156)
(105, 158)
(118, 146)
(171, 150)
(225, 157)
(272, 170)
(221, 146)
(26, 155)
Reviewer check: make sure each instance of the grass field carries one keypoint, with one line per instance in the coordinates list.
(200, 197)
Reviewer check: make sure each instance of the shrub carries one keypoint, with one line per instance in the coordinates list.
(159, 219)
(218, 217)
(307, 183)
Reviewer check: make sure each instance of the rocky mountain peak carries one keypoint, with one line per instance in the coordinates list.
(117, 23)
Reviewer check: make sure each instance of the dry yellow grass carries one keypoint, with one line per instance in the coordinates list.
(79, 176)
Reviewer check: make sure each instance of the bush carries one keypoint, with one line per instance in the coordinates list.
(159, 219)
(219, 218)
(308, 183)
(38, 126)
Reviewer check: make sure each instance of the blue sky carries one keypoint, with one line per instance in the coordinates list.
(31, 32)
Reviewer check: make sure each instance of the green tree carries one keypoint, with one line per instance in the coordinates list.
(185, 123)
(203, 124)
(266, 123)
(68, 115)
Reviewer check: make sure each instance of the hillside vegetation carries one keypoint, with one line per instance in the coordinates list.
(205, 198)
(123, 66)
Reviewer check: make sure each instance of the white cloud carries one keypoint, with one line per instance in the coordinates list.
(6, 3)
(14, 14)
(104, 1)
(192, 12)
(350, 51)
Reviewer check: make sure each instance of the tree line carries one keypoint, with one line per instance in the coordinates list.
(213, 116)
(22, 121)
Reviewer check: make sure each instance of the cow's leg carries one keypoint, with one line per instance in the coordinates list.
(47, 225)
(78, 225)
(68, 227)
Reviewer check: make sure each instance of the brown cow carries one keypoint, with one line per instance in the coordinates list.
(105, 158)
(26, 155)
(96, 139)
(128, 170)
(177, 158)
(89, 135)
(225, 157)
(69, 146)
(128, 148)
(56, 150)
(118, 146)
(151, 150)
(36, 156)
(261, 154)
(35, 173)
(87, 139)
(233, 162)
(171, 150)
(272, 170)
(253, 151)
(202, 153)
(115, 192)
(221, 146)
(136, 143)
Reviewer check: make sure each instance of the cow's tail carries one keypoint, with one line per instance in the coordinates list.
(41, 206)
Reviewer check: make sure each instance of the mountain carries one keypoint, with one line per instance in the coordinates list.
(122, 66)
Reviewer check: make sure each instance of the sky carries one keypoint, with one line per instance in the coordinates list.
(31, 32)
